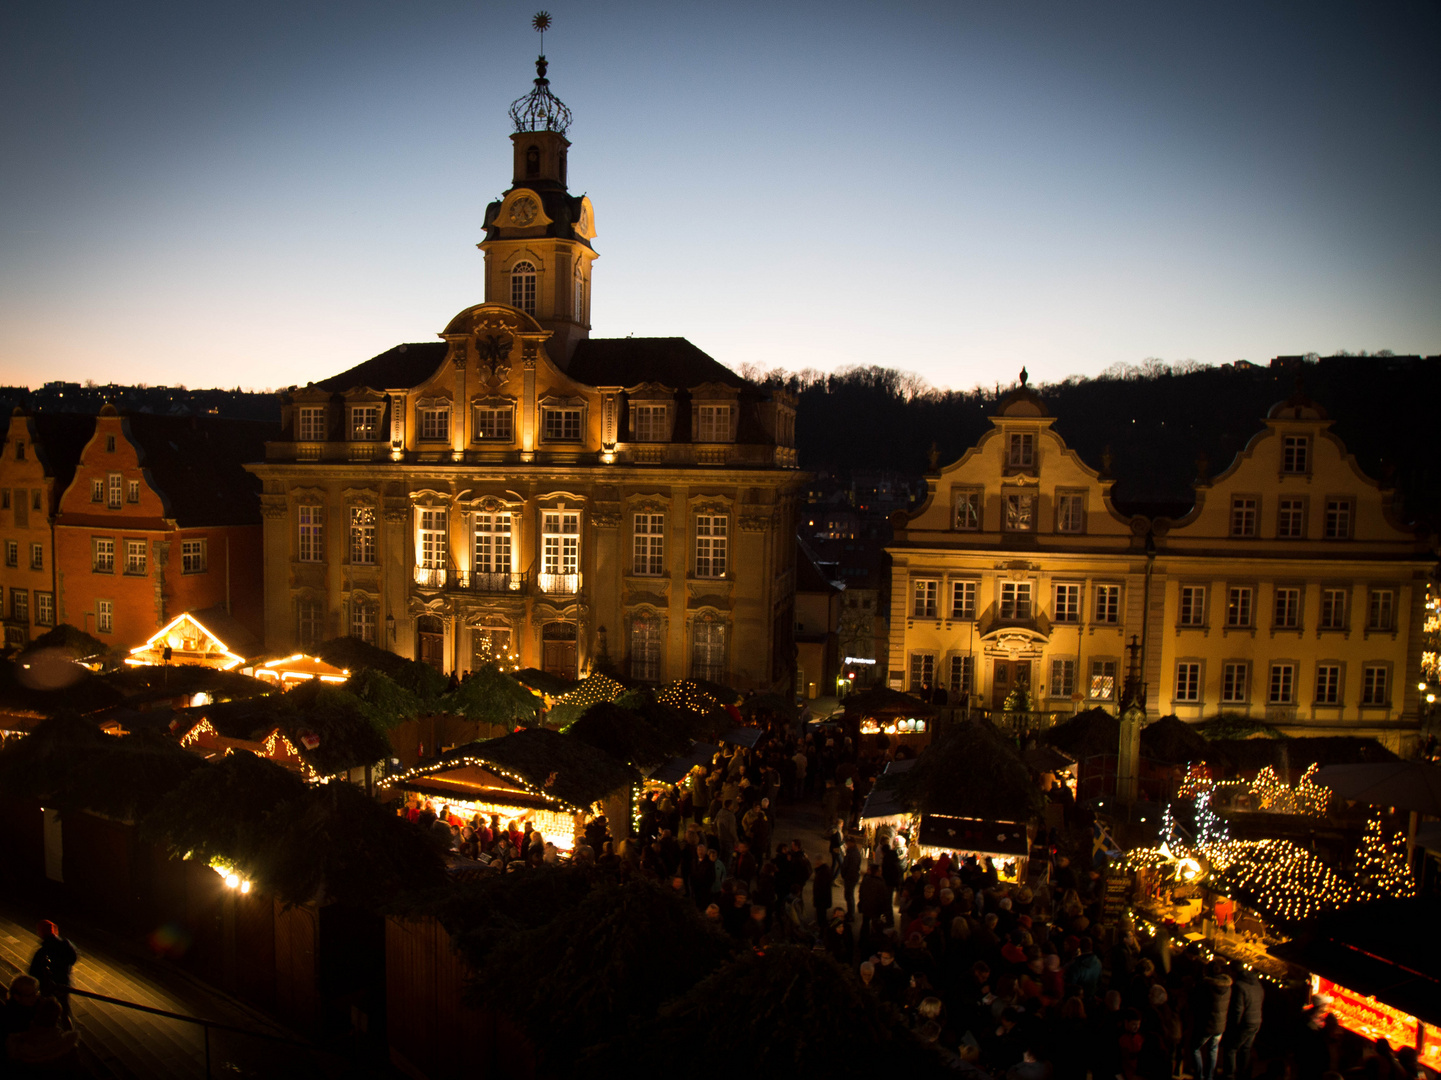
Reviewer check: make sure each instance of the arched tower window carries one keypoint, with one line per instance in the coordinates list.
(522, 287)
(579, 297)
(532, 162)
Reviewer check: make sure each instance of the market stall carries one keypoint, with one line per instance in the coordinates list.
(903, 719)
(1006, 843)
(1380, 964)
(549, 779)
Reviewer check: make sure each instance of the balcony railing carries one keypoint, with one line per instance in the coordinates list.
(479, 582)
(559, 584)
(432, 577)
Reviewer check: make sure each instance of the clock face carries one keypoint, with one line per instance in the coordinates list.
(523, 210)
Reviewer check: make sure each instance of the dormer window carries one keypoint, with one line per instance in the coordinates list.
(522, 287)
(364, 423)
(1022, 453)
(649, 423)
(1295, 454)
(310, 424)
(712, 423)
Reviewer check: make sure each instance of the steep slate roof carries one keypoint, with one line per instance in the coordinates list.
(60, 437)
(809, 577)
(405, 366)
(197, 465)
(671, 361)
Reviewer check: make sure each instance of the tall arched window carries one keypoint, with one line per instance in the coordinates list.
(579, 296)
(522, 287)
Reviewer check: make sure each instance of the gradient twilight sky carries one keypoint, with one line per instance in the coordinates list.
(255, 193)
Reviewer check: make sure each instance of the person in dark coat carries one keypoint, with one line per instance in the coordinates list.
(821, 891)
(874, 902)
(1243, 1021)
(837, 938)
(851, 873)
(51, 965)
(1210, 1003)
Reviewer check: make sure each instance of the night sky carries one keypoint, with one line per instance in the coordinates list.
(258, 194)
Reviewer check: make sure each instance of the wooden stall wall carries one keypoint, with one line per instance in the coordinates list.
(432, 1034)
(98, 869)
(297, 996)
(22, 840)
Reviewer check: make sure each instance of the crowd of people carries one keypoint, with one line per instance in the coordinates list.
(1002, 978)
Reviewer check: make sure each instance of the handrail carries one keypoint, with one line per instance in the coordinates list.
(188, 1019)
(206, 1025)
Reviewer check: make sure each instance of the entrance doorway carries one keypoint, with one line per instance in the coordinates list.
(558, 648)
(432, 641)
(1008, 675)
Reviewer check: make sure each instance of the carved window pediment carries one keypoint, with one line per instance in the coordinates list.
(650, 391)
(363, 395)
(308, 495)
(361, 495)
(714, 391)
(436, 399)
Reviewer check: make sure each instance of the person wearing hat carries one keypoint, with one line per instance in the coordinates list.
(51, 965)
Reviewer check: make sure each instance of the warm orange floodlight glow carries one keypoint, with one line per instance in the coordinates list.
(190, 642)
(299, 668)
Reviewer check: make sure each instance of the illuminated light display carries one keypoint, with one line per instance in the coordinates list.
(1268, 791)
(909, 726)
(189, 642)
(555, 826)
(1381, 863)
(1374, 1019)
(298, 668)
(687, 695)
(595, 689)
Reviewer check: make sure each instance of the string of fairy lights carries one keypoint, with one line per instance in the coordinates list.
(1283, 880)
(687, 695)
(1267, 791)
(480, 762)
(596, 688)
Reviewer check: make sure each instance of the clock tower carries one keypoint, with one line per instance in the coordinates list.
(538, 236)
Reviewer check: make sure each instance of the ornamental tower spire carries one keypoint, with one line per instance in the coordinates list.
(537, 235)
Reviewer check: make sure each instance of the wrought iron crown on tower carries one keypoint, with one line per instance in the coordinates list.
(540, 110)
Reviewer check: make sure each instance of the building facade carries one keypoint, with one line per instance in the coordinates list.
(1288, 594)
(519, 487)
(160, 518)
(37, 462)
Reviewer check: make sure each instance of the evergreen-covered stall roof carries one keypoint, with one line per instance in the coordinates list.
(627, 735)
(58, 685)
(148, 682)
(552, 685)
(1173, 741)
(972, 771)
(491, 696)
(355, 655)
(544, 763)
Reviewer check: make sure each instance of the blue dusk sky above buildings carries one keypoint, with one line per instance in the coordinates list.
(244, 192)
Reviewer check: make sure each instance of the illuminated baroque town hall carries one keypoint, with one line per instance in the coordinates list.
(521, 488)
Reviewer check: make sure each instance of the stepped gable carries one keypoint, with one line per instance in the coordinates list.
(59, 440)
